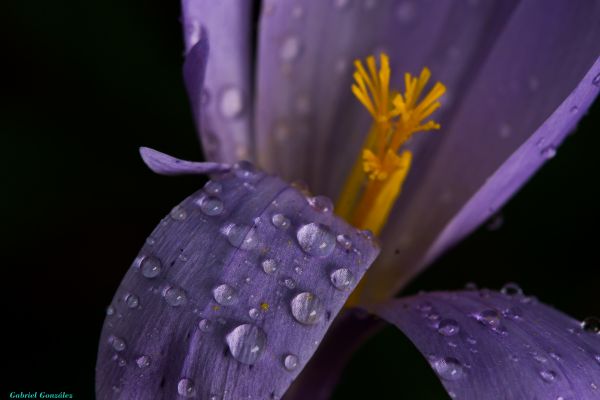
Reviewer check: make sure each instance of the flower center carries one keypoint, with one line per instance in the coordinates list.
(376, 179)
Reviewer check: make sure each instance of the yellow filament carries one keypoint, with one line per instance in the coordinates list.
(377, 176)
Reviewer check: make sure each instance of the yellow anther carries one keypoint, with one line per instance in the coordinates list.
(264, 307)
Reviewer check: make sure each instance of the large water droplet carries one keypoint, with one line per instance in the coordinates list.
(591, 324)
(246, 343)
(447, 368)
(213, 188)
(290, 362)
(186, 388)
(132, 300)
(490, 318)
(178, 213)
(280, 221)
(118, 343)
(511, 289)
(306, 308)
(548, 375)
(342, 278)
(253, 313)
(316, 239)
(175, 296)
(150, 267)
(269, 265)
(290, 48)
(448, 327)
(224, 294)
(210, 205)
(321, 204)
(232, 102)
(143, 361)
(241, 236)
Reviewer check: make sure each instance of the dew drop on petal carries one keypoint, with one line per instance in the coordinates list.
(342, 278)
(224, 294)
(118, 343)
(548, 375)
(143, 361)
(253, 313)
(316, 240)
(205, 325)
(175, 296)
(178, 213)
(132, 301)
(490, 318)
(210, 205)
(448, 327)
(321, 203)
(290, 48)
(290, 362)
(150, 267)
(186, 388)
(306, 308)
(246, 343)
(245, 170)
(289, 283)
(280, 221)
(213, 188)
(549, 152)
(269, 265)
(344, 241)
(448, 368)
(241, 236)
(232, 102)
(110, 310)
(511, 289)
(591, 324)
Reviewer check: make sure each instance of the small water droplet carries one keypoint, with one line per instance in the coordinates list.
(246, 343)
(306, 308)
(448, 327)
(591, 324)
(174, 296)
(511, 289)
(290, 362)
(241, 236)
(290, 48)
(253, 313)
(280, 221)
(344, 241)
(596, 80)
(110, 310)
(471, 340)
(539, 357)
(298, 270)
(316, 239)
(143, 361)
(150, 241)
(178, 213)
(246, 170)
(447, 368)
(289, 283)
(186, 388)
(132, 300)
(150, 267)
(269, 265)
(117, 343)
(205, 325)
(342, 278)
(549, 152)
(225, 295)
(490, 318)
(513, 313)
(321, 204)
(232, 102)
(210, 205)
(213, 188)
(548, 375)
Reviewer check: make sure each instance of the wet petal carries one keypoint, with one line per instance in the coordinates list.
(524, 99)
(230, 295)
(165, 164)
(220, 102)
(487, 345)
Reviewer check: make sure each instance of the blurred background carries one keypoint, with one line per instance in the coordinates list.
(85, 84)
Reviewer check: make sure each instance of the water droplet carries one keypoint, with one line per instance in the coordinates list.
(143, 361)
(232, 102)
(342, 278)
(597, 357)
(471, 340)
(539, 357)
(132, 300)
(289, 283)
(150, 267)
(174, 296)
(511, 289)
(254, 313)
(213, 188)
(548, 375)
(298, 270)
(549, 152)
(406, 12)
(110, 310)
(150, 241)
(269, 265)
(490, 318)
(596, 80)
(290, 48)
(246, 343)
(210, 205)
(448, 327)
(321, 204)
(241, 236)
(186, 388)
(344, 241)
(280, 221)
(246, 170)
(178, 213)
(513, 313)
(315, 239)
(555, 356)
(591, 324)
(205, 325)
(225, 295)
(290, 362)
(306, 308)
(447, 368)
(117, 343)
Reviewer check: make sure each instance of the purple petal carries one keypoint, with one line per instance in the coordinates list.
(527, 96)
(221, 101)
(487, 345)
(165, 164)
(216, 302)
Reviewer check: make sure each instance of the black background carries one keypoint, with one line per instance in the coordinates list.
(85, 84)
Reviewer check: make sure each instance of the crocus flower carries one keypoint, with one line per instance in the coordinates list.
(234, 290)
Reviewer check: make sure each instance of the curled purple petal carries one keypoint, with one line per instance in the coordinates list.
(488, 345)
(230, 295)
(165, 164)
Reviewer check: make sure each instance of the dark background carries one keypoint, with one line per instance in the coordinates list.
(85, 84)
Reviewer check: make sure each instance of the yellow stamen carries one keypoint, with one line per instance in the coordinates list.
(376, 179)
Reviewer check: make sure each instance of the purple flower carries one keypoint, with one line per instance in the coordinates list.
(237, 286)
